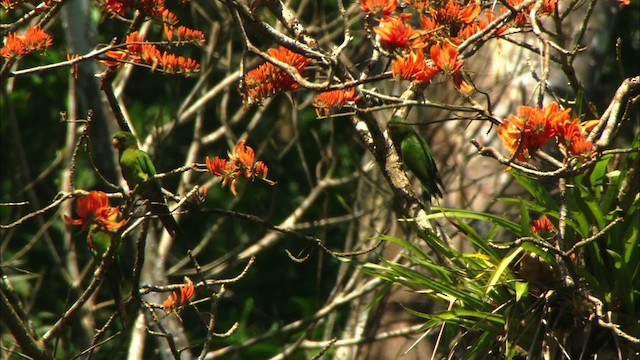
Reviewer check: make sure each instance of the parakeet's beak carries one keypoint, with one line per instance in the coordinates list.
(116, 143)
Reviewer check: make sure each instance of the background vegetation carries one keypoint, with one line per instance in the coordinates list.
(342, 257)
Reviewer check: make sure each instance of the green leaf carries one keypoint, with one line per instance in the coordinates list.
(536, 189)
(380, 295)
(475, 215)
(544, 254)
(617, 259)
(599, 173)
(592, 206)
(609, 197)
(522, 290)
(525, 221)
(500, 269)
(551, 213)
(578, 211)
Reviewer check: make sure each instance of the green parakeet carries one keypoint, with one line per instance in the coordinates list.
(99, 241)
(416, 155)
(137, 168)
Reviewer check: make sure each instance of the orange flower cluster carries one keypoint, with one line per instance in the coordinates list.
(440, 21)
(186, 292)
(267, 79)
(325, 101)
(147, 53)
(446, 58)
(394, 33)
(544, 227)
(379, 7)
(94, 209)
(413, 67)
(241, 163)
(31, 40)
(9, 4)
(522, 18)
(442, 28)
(534, 127)
(453, 22)
(184, 34)
(154, 9)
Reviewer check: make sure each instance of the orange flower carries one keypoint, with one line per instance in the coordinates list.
(418, 4)
(555, 117)
(428, 23)
(169, 63)
(143, 52)
(461, 84)
(243, 156)
(186, 34)
(261, 170)
(226, 170)
(383, 7)
(446, 58)
(118, 57)
(134, 45)
(219, 166)
(548, 8)
(534, 127)
(327, 100)
(152, 8)
(241, 163)
(186, 292)
(490, 16)
(169, 18)
(10, 4)
(571, 135)
(530, 128)
(267, 79)
(448, 14)
(31, 40)
(469, 13)
(94, 209)
(114, 6)
(580, 146)
(413, 67)
(168, 31)
(394, 33)
(544, 227)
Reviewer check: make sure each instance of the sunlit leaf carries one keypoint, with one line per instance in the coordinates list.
(522, 290)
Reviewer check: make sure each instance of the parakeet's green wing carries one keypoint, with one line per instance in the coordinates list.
(417, 155)
(146, 164)
(137, 167)
(148, 170)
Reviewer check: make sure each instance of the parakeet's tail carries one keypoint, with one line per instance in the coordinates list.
(119, 289)
(163, 213)
(167, 220)
(432, 190)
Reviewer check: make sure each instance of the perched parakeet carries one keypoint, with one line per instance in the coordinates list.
(99, 240)
(416, 155)
(137, 167)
